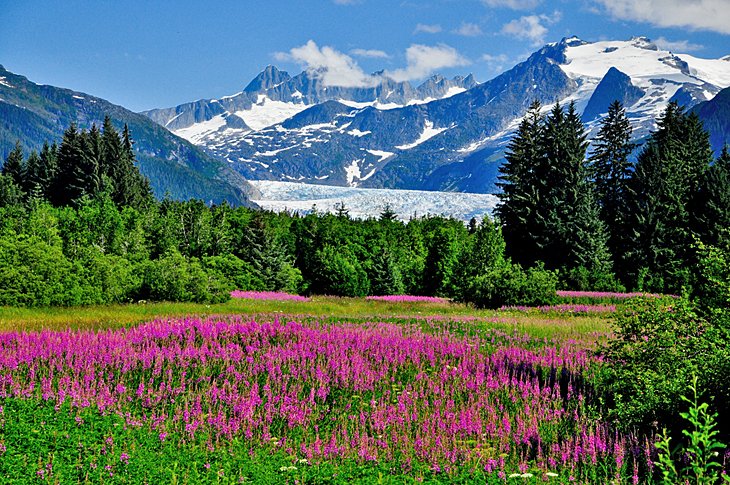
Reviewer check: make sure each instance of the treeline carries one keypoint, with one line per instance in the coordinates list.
(78, 225)
(606, 219)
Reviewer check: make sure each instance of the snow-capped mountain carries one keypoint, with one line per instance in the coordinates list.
(273, 96)
(396, 136)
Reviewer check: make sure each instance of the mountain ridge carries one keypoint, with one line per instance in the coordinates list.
(34, 114)
(454, 142)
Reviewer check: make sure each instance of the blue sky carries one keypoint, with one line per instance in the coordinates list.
(146, 54)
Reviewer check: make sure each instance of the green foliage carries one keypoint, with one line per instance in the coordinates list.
(711, 208)
(508, 285)
(239, 274)
(10, 193)
(611, 170)
(583, 279)
(658, 347)
(339, 273)
(32, 272)
(173, 277)
(663, 188)
(519, 182)
(385, 276)
(701, 449)
(547, 206)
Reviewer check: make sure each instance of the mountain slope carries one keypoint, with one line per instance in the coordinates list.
(273, 96)
(395, 136)
(35, 114)
(715, 114)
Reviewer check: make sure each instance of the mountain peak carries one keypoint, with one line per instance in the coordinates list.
(268, 78)
(572, 41)
(643, 43)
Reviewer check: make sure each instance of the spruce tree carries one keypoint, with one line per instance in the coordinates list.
(133, 188)
(47, 169)
(520, 185)
(664, 186)
(569, 231)
(66, 187)
(32, 185)
(89, 170)
(385, 278)
(611, 169)
(711, 209)
(14, 166)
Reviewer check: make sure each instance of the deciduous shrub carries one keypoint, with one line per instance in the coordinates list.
(509, 285)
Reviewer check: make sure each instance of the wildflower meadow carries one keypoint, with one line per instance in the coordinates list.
(297, 399)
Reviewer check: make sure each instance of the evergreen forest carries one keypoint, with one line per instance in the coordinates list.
(79, 225)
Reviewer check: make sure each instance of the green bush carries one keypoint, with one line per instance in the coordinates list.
(659, 345)
(340, 274)
(32, 272)
(583, 279)
(238, 273)
(510, 285)
(105, 278)
(172, 277)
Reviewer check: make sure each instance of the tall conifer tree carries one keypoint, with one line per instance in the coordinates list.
(711, 210)
(14, 166)
(664, 184)
(611, 169)
(66, 188)
(518, 200)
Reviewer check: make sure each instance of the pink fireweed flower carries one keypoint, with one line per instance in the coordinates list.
(607, 294)
(267, 295)
(408, 299)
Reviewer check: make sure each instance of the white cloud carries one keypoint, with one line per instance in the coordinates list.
(713, 15)
(495, 62)
(428, 28)
(332, 66)
(513, 4)
(468, 29)
(345, 2)
(677, 45)
(423, 60)
(531, 27)
(370, 53)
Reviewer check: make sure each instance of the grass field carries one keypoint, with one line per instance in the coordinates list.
(331, 390)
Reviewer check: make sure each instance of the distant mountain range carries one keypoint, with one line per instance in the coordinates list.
(35, 114)
(446, 134)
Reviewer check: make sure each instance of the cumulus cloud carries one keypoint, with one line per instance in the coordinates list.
(713, 15)
(332, 66)
(677, 45)
(428, 29)
(531, 27)
(513, 4)
(468, 29)
(370, 53)
(423, 60)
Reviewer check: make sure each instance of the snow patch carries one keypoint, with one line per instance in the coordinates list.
(428, 132)
(352, 172)
(266, 112)
(358, 133)
(197, 132)
(5, 83)
(380, 154)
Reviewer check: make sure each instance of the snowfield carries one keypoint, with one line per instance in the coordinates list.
(363, 203)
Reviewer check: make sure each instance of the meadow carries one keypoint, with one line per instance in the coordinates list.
(329, 390)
